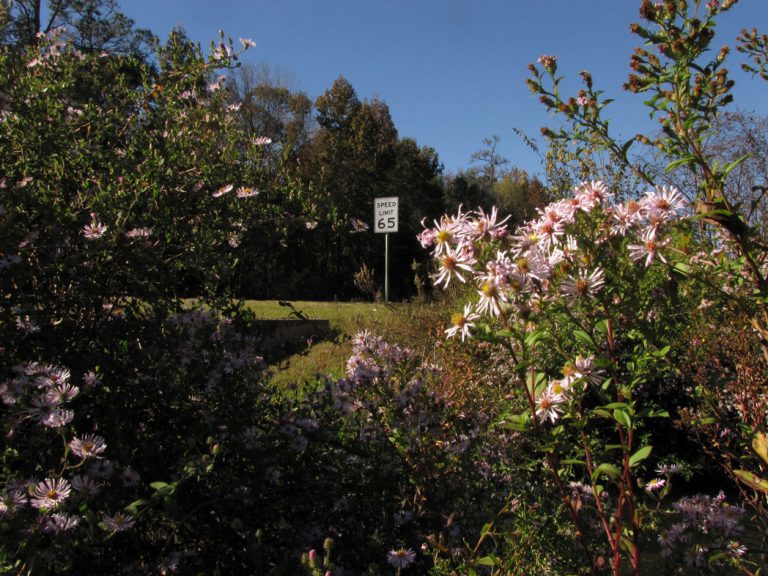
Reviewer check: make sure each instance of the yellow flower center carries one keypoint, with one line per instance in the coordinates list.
(458, 319)
(489, 289)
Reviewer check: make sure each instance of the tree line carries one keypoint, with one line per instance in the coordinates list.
(326, 159)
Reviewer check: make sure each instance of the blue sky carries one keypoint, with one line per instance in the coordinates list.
(452, 71)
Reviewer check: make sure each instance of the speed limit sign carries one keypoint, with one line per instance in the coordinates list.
(385, 214)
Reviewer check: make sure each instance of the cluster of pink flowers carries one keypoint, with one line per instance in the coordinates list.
(52, 44)
(545, 260)
(41, 392)
(550, 403)
(520, 273)
(213, 342)
(372, 357)
(707, 526)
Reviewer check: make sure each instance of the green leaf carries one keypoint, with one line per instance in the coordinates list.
(663, 352)
(760, 445)
(487, 561)
(584, 338)
(614, 405)
(625, 148)
(735, 163)
(679, 162)
(706, 421)
(622, 418)
(607, 470)
(536, 382)
(640, 455)
(602, 326)
(532, 338)
(133, 507)
(517, 422)
(752, 480)
(162, 489)
(602, 413)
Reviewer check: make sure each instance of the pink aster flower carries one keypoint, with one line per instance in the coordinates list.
(583, 285)
(462, 322)
(532, 266)
(549, 404)
(94, 230)
(247, 43)
(491, 297)
(246, 192)
(101, 469)
(452, 262)
(85, 486)
(401, 558)
(648, 249)
(60, 522)
(655, 485)
(584, 368)
(427, 237)
(51, 492)
(223, 190)
(89, 446)
(62, 393)
(450, 230)
(664, 199)
(90, 378)
(486, 225)
(138, 233)
(262, 141)
(548, 230)
(47, 376)
(118, 523)
(591, 194)
(47, 412)
(11, 502)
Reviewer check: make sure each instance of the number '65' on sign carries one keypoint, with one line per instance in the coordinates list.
(385, 211)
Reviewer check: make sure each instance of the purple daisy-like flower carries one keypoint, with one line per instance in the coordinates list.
(11, 502)
(85, 486)
(401, 558)
(89, 446)
(655, 485)
(118, 523)
(50, 493)
(94, 230)
(246, 192)
(223, 190)
(61, 522)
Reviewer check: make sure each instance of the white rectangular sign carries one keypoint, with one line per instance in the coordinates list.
(385, 214)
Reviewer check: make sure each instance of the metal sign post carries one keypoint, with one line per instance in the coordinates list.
(385, 218)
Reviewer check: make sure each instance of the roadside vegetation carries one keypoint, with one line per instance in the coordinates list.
(573, 383)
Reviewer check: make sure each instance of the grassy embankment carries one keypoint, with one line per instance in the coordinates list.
(327, 356)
